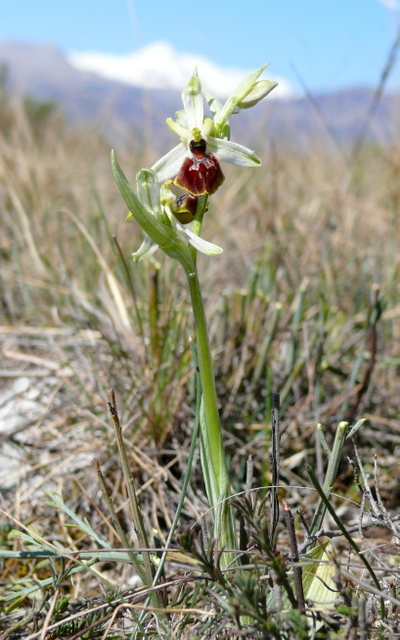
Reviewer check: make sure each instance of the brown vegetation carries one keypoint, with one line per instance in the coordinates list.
(304, 302)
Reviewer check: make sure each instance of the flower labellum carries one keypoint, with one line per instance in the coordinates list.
(201, 173)
(185, 208)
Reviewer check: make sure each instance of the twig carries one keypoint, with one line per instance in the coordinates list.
(275, 466)
(376, 312)
(48, 615)
(133, 502)
(116, 524)
(249, 474)
(336, 533)
(362, 618)
(297, 571)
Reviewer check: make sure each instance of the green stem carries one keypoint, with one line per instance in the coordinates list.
(198, 222)
(213, 455)
(210, 408)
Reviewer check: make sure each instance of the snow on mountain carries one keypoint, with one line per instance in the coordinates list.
(160, 66)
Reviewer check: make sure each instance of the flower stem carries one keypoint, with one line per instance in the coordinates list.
(212, 449)
(198, 222)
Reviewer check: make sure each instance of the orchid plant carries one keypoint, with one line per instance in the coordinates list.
(194, 166)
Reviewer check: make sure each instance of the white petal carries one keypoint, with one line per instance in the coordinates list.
(198, 243)
(179, 129)
(181, 117)
(192, 98)
(214, 104)
(168, 166)
(233, 153)
(207, 128)
(146, 249)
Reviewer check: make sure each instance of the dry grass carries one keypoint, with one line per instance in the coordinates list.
(304, 301)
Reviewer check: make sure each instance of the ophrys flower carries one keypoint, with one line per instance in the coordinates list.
(194, 163)
(152, 208)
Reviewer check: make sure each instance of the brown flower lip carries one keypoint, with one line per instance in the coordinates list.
(185, 208)
(200, 174)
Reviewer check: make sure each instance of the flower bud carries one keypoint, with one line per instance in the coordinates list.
(257, 92)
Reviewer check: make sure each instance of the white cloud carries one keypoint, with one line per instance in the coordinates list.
(160, 66)
(390, 4)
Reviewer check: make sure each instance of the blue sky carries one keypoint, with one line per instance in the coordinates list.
(329, 44)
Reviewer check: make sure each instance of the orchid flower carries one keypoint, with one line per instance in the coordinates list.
(194, 163)
(153, 209)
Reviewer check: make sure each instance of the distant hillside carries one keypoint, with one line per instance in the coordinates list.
(44, 72)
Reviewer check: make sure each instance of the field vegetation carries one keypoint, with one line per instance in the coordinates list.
(304, 302)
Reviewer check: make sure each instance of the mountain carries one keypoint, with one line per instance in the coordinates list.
(44, 72)
(135, 92)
